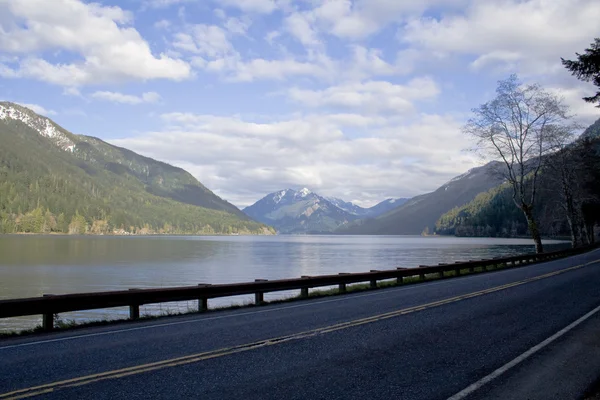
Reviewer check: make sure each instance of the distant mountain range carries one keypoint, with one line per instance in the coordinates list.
(420, 214)
(302, 211)
(52, 180)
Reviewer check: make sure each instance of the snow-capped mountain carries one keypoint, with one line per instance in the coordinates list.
(347, 206)
(303, 211)
(372, 212)
(11, 112)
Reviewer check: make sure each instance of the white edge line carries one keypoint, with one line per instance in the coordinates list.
(477, 385)
(197, 320)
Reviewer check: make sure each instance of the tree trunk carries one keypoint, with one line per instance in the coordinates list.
(533, 229)
(574, 234)
(591, 235)
(585, 239)
(569, 206)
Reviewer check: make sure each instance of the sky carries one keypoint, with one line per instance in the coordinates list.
(358, 99)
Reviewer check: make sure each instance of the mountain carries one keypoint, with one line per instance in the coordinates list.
(420, 213)
(592, 131)
(302, 211)
(376, 210)
(493, 213)
(386, 206)
(350, 208)
(52, 180)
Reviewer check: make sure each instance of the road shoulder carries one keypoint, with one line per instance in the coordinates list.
(565, 369)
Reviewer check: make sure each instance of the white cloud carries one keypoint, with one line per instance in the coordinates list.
(109, 48)
(259, 68)
(256, 6)
(246, 159)
(213, 52)
(271, 36)
(371, 96)
(299, 26)
(238, 26)
(116, 97)
(585, 113)
(164, 3)
(355, 20)
(206, 40)
(39, 109)
(72, 91)
(220, 13)
(162, 24)
(527, 35)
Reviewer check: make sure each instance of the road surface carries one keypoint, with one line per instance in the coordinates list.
(506, 334)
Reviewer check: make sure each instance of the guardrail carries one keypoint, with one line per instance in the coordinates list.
(50, 305)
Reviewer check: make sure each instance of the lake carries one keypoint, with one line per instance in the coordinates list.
(34, 265)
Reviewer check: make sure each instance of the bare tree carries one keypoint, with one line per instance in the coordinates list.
(516, 126)
(567, 169)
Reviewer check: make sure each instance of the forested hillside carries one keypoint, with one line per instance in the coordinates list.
(54, 181)
(494, 213)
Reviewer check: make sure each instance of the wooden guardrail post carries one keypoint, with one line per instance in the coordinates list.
(471, 268)
(422, 275)
(441, 273)
(304, 290)
(399, 279)
(134, 309)
(373, 282)
(457, 269)
(342, 285)
(259, 297)
(48, 318)
(203, 301)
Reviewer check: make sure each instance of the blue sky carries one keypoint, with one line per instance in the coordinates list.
(360, 99)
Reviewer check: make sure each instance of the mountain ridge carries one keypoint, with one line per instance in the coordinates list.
(99, 176)
(420, 214)
(303, 211)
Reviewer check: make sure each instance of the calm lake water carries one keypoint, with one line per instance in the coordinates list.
(35, 265)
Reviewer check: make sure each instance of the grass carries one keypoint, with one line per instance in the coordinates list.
(70, 324)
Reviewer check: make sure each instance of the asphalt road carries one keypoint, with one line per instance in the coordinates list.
(425, 341)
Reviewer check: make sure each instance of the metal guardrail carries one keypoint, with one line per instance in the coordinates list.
(50, 305)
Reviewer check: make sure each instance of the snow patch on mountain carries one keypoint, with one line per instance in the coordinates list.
(459, 177)
(304, 192)
(278, 196)
(44, 126)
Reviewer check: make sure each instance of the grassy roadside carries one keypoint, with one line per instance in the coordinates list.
(70, 324)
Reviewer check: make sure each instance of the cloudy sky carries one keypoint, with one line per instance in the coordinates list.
(359, 99)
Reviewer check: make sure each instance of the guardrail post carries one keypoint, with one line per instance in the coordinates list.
(471, 268)
(399, 279)
(304, 290)
(373, 282)
(259, 297)
(342, 286)
(48, 318)
(441, 273)
(203, 301)
(134, 310)
(422, 275)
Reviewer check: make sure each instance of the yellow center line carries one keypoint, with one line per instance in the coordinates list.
(194, 358)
